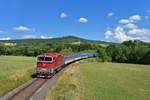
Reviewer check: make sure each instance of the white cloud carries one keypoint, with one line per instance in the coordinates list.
(23, 28)
(8, 38)
(124, 21)
(120, 34)
(135, 18)
(29, 36)
(107, 37)
(130, 26)
(131, 19)
(63, 15)
(146, 41)
(110, 14)
(82, 20)
(140, 31)
(128, 30)
(2, 32)
(44, 37)
(108, 33)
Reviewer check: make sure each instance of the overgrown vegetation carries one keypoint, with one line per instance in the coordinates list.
(67, 88)
(14, 71)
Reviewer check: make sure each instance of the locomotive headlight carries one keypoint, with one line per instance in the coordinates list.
(38, 70)
(49, 70)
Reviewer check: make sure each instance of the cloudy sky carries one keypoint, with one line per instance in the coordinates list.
(107, 20)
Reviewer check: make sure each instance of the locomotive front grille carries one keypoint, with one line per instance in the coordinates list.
(44, 70)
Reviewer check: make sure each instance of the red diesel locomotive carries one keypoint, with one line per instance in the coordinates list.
(48, 64)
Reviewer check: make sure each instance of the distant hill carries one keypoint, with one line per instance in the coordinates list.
(53, 41)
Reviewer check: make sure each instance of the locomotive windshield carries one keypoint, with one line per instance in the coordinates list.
(47, 59)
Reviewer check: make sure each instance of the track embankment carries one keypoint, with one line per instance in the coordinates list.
(28, 91)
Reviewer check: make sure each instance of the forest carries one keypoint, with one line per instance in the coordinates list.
(127, 52)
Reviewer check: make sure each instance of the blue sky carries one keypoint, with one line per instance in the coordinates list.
(107, 20)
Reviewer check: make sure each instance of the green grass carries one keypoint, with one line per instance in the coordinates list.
(14, 71)
(114, 81)
(67, 88)
(103, 81)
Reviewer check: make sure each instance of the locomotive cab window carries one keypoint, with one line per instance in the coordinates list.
(46, 59)
(40, 58)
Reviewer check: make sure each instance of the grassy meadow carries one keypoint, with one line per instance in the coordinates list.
(14, 71)
(103, 81)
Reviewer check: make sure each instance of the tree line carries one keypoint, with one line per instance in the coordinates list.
(41, 48)
(128, 52)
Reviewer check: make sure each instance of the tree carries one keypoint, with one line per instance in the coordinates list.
(66, 50)
(146, 58)
(102, 55)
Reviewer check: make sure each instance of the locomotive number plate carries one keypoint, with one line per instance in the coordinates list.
(43, 69)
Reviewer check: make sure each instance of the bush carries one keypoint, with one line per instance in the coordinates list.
(66, 50)
(108, 59)
(99, 59)
(102, 56)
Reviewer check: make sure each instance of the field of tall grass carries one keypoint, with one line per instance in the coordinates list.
(103, 81)
(14, 71)
(66, 88)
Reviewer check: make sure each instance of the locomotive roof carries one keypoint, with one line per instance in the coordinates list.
(52, 54)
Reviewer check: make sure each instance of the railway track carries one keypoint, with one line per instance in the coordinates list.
(27, 92)
(35, 90)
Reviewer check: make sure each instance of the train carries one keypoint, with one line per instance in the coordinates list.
(48, 64)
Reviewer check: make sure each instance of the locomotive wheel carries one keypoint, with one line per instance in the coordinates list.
(56, 71)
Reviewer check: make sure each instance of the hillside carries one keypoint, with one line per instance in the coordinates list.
(53, 41)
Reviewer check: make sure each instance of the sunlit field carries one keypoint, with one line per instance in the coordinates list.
(103, 81)
(14, 71)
